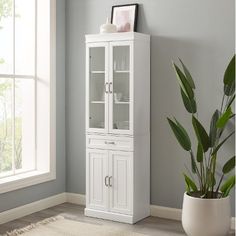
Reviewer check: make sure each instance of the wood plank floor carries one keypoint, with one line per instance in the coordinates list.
(151, 226)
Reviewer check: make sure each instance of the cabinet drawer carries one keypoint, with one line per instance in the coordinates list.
(110, 143)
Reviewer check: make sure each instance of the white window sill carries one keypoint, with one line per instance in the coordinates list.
(25, 180)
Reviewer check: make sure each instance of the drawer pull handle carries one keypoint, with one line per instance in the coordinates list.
(106, 142)
(110, 183)
(105, 181)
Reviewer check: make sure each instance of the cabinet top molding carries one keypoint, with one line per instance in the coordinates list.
(91, 38)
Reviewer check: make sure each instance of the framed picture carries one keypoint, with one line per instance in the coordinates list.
(125, 17)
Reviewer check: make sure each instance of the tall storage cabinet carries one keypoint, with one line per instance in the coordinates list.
(118, 126)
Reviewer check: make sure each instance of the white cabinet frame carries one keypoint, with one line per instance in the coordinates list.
(131, 86)
(118, 182)
(106, 80)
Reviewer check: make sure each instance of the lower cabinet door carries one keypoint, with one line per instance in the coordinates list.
(121, 181)
(97, 195)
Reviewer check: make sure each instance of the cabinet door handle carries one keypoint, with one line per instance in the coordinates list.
(106, 142)
(106, 87)
(110, 182)
(110, 87)
(105, 181)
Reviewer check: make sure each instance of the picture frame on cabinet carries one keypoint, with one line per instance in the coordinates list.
(125, 17)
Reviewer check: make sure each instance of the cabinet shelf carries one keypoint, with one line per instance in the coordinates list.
(121, 71)
(97, 72)
(121, 103)
(97, 102)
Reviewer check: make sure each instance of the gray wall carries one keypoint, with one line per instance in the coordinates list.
(37, 192)
(201, 33)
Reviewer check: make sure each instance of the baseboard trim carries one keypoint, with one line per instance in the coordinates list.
(174, 214)
(156, 211)
(79, 199)
(30, 208)
(165, 212)
(75, 198)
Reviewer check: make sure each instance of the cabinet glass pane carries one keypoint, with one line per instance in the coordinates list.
(121, 87)
(96, 87)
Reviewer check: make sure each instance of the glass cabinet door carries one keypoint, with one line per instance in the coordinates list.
(120, 88)
(97, 87)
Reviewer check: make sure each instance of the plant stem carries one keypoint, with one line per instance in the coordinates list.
(213, 173)
(218, 187)
(231, 100)
(197, 171)
(205, 170)
(222, 103)
(202, 176)
(209, 158)
(227, 101)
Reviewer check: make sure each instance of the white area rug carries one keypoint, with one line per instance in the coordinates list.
(58, 226)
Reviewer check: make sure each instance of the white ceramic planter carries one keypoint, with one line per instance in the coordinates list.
(206, 217)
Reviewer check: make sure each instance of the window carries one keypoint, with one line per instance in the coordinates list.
(27, 92)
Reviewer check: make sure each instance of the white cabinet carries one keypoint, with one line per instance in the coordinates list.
(97, 170)
(110, 87)
(121, 181)
(117, 126)
(109, 176)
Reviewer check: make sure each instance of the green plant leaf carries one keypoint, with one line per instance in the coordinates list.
(224, 118)
(199, 153)
(231, 101)
(229, 76)
(188, 75)
(187, 188)
(226, 193)
(229, 165)
(220, 144)
(190, 105)
(183, 82)
(229, 89)
(213, 128)
(190, 183)
(180, 134)
(227, 186)
(193, 163)
(201, 134)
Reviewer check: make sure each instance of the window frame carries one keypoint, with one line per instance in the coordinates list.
(38, 176)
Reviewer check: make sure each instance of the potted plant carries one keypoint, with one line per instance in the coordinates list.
(206, 203)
